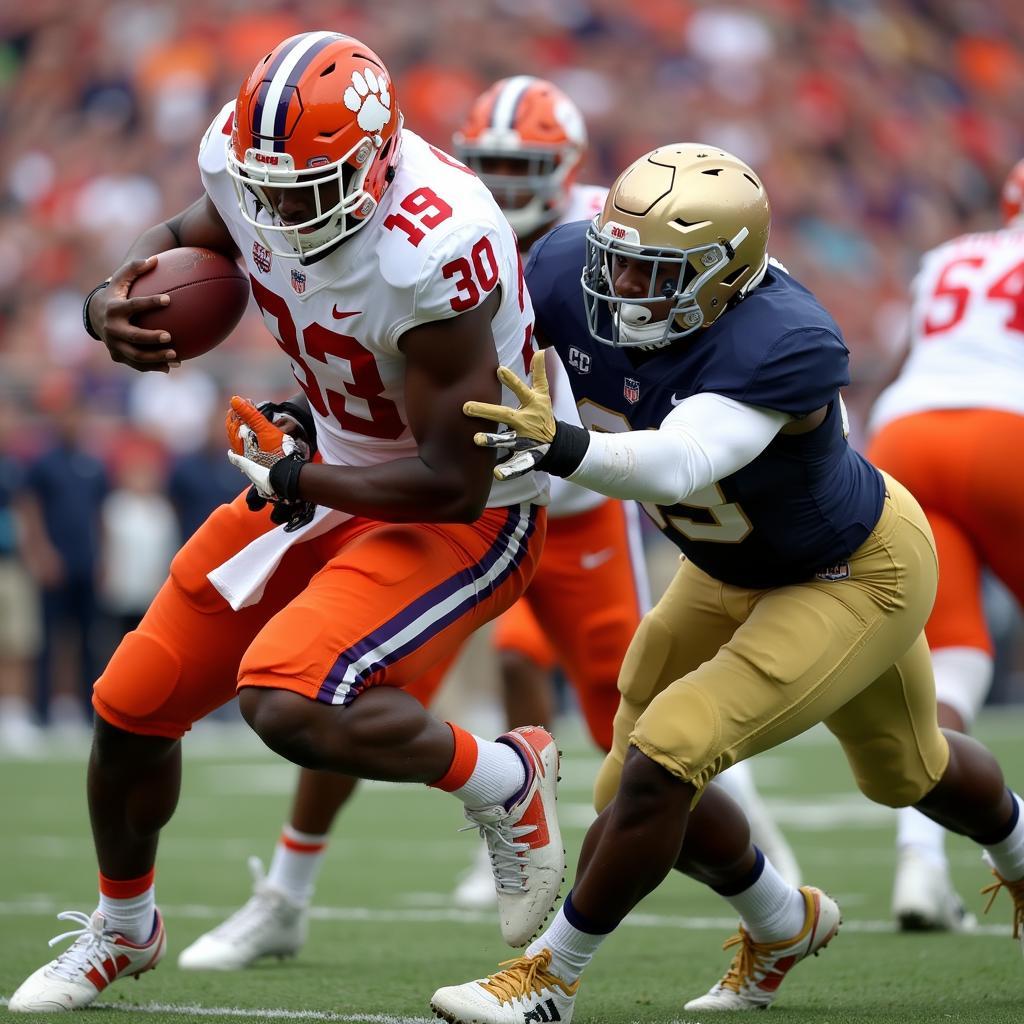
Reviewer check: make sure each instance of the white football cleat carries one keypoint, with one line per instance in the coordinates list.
(523, 839)
(758, 968)
(268, 924)
(923, 897)
(524, 991)
(475, 888)
(97, 957)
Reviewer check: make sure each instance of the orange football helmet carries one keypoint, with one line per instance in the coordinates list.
(525, 139)
(318, 112)
(1012, 197)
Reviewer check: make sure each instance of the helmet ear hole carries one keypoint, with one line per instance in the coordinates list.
(734, 275)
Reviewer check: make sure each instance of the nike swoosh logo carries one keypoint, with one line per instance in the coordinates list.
(341, 316)
(594, 559)
(676, 401)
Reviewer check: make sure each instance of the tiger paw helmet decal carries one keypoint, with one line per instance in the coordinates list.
(369, 98)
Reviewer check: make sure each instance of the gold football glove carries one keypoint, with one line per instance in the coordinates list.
(532, 438)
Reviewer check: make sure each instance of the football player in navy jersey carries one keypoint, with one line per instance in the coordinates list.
(709, 379)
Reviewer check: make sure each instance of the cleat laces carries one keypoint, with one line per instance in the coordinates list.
(1016, 890)
(746, 964)
(90, 950)
(508, 855)
(522, 975)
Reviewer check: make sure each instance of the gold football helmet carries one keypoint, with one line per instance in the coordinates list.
(700, 218)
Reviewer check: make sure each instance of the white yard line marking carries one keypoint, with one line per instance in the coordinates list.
(43, 905)
(257, 1013)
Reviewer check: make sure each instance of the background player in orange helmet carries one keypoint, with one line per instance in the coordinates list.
(393, 284)
(951, 428)
(526, 140)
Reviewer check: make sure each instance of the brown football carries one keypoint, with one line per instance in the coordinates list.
(209, 293)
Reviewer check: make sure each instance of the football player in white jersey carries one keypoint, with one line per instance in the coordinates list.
(951, 427)
(525, 139)
(375, 540)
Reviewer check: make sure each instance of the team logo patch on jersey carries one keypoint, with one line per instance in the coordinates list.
(631, 390)
(261, 257)
(834, 573)
(579, 361)
(298, 281)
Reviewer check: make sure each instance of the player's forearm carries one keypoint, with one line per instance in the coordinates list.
(403, 491)
(643, 465)
(702, 440)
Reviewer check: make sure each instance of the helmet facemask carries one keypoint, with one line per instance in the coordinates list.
(531, 198)
(340, 203)
(633, 322)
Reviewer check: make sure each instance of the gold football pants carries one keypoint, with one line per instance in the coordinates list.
(717, 673)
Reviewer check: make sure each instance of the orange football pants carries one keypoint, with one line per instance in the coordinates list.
(581, 609)
(962, 466)
(365, 604)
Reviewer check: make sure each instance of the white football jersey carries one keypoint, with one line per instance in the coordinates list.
(568, 499)
(966, 330)
(436, 247)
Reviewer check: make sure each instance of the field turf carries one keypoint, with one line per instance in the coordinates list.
(383, 936)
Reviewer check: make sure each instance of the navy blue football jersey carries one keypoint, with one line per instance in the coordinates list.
(808, 501)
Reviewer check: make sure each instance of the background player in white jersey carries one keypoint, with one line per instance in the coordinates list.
(389, 277)
(951, 428)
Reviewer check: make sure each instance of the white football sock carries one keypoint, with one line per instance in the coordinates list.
(1007, 856)
(498, 775)
(571, 949)
(963, 677)
(133, 917)
(298, 858)
(918, 832)
(772, 910)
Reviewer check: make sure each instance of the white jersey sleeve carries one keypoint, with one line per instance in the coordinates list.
(966, 330)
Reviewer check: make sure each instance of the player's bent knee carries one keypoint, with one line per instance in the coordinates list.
(281, 719)
(135, 691)
(680, 731)
(891, 782)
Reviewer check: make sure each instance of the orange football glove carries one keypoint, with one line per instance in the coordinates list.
(244, 413)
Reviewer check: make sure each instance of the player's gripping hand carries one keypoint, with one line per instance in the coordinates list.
(532, 438)
(271, 454)
(110, 312)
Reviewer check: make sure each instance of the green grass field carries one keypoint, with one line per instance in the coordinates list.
(383, 938)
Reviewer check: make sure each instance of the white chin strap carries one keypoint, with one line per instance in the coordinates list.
(635, 325)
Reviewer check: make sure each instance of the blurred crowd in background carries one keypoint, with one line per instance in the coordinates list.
(880, 128)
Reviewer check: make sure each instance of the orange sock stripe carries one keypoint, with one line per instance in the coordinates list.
(463, 762)
(118, 889)
(296, 847)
